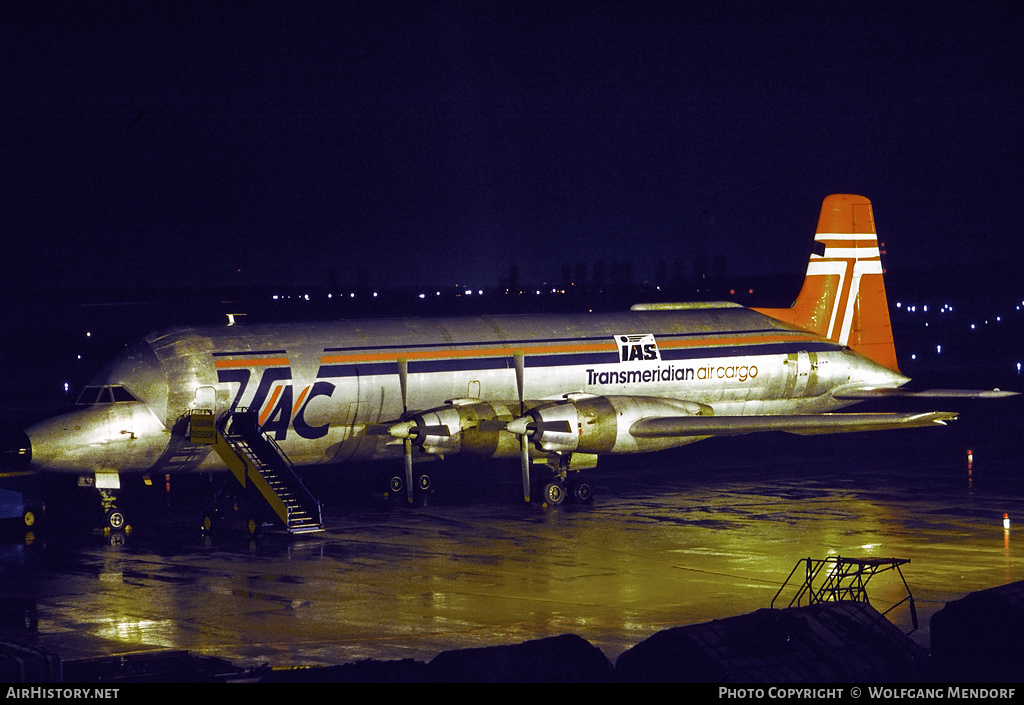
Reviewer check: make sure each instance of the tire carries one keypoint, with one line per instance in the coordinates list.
(253, 526)
(582, 492)
(116, 520)
(553, 493)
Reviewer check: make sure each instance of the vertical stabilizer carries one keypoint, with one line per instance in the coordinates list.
(843, 296)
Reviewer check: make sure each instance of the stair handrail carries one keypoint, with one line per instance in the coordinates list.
(295, 480)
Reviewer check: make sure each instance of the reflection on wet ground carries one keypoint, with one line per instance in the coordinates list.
(706, 532)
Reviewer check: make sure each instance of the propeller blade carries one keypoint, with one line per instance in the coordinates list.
(520, 424)
(408, 470)
(520, 360)
(524, 460)
(403, 383)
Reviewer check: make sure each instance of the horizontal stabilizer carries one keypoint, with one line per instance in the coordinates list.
(805, 424)
(926, 394)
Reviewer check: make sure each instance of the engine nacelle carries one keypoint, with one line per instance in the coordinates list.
(600, 424)
(467, 426)
(576, 424)
(439, 431)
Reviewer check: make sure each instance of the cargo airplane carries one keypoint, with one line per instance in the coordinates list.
(554, 391)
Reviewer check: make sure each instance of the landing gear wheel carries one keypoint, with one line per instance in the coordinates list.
(553, 493)
(424, 482)
(396, 484)
(115, 520)
(253, 527)
(582, 492)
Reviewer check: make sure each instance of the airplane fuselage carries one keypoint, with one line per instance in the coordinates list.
(334, 392)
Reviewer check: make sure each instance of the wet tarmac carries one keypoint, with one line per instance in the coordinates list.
(709, 531)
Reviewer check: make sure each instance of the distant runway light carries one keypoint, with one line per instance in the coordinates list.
(1006, 521)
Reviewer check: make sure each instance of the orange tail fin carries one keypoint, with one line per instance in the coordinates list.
(843, 296)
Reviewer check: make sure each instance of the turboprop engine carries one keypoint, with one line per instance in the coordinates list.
(575, 424)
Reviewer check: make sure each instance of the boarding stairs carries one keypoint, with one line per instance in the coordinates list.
(259, 465)
(839, 578)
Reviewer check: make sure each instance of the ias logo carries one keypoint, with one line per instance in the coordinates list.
(634, 348)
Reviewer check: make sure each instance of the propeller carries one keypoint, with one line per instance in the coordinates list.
(403, 382)
(524, 443)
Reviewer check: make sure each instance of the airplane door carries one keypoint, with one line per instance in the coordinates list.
(206, 398)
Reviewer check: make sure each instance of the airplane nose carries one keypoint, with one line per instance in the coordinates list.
(15, 451)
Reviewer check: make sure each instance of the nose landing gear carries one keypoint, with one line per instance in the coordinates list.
(113, 518)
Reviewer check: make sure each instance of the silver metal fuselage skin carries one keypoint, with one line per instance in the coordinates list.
(332, 392)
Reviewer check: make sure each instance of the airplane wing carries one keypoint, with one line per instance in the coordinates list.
(807, 424)
(926, 394)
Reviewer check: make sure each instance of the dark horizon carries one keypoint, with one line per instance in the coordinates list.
(189, 143)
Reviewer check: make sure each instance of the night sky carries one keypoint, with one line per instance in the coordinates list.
(441, 142)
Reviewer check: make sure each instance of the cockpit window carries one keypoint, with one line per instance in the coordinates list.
(121, 394)
(104, 395)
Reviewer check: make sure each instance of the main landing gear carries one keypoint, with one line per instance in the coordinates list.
(396, 485)
(575, 489)
(568, 483)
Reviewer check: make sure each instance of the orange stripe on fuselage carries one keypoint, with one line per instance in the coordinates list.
(557, 349)
(475, 352)
(734, 340)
